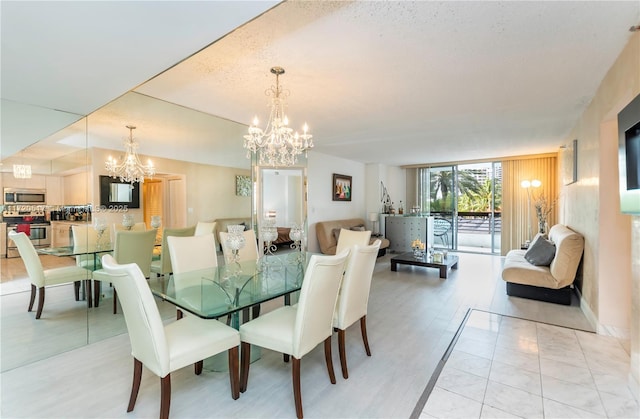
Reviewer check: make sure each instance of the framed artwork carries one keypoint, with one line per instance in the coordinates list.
(569, 159)
(243, 185)
(341, 187)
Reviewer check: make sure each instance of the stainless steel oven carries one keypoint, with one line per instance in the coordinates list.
(39, 234)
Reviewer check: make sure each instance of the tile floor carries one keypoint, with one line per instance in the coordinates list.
(504, 366)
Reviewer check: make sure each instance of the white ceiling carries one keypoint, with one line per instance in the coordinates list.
(378, 82)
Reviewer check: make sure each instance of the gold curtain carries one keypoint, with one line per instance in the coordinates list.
(152, 201)
(519, 221)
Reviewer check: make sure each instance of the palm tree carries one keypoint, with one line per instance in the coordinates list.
(442, 181)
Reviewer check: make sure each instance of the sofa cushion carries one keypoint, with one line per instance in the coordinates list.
(541, 252)
(336, 234)
(358, 228)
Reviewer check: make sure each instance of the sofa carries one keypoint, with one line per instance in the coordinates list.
(327, 232)
(552, 283)
(223, 223)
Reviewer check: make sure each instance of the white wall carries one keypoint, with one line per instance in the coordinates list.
(321, 207)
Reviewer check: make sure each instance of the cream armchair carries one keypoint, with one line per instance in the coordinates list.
(297, 330)
(164, 349)
(41, 278)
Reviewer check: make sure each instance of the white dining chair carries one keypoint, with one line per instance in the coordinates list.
(129, 247)
(296, 330)
(165, 349)
(354, 297)
(248, 252)
(84, 237)
(41, 278)
(350, 238)
(189, 255)
(162, 266)
(203, 227)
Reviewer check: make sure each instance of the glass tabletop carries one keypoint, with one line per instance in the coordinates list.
(76, 250)
(217, 292)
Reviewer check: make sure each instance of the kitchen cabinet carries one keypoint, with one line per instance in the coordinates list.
(3, 239)
(60, 234)
(35, 182)
(76, 189)
(55, 195)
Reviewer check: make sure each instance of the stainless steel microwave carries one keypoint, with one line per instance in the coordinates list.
(13, 196)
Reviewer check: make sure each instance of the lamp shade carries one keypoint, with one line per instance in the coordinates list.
(373, 216)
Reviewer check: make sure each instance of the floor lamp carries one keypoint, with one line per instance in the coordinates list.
(373, 217)
(528, 184)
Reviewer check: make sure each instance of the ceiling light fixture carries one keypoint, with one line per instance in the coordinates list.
(129, 168)
(277, 145)
(22, 171)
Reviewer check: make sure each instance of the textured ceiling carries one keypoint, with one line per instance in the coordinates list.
(384, 82)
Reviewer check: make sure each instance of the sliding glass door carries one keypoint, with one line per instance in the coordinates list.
(465, 201)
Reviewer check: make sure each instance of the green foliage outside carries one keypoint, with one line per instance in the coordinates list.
(474, 196)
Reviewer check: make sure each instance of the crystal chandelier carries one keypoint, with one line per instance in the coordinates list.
(22, 171)
(277, 145)
(129, 168)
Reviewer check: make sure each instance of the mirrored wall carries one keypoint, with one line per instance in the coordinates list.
(195, 181)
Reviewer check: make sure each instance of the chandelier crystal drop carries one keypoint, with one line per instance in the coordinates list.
(278, 144)
(129, 168)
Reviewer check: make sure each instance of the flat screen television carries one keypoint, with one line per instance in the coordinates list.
(629, 157)
(115, 194)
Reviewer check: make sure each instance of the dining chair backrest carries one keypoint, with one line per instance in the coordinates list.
(350, 238)
(115, 227)
(29, 257)
(192, 253)
(356, 284)
(317, 302)
(203, 227)
(146, 330)
(165, 253)
(248, 252)
(85, 236)
(135, 247)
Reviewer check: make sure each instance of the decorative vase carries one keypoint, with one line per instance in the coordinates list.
(128, 221)
(235, 240)
(155, 221)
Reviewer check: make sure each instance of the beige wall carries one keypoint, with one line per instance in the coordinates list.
(210, 190)
(591, 207)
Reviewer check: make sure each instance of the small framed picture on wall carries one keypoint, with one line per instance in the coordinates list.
(341, 187)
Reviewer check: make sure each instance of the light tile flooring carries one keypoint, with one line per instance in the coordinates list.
(76, 363)
(502, 366)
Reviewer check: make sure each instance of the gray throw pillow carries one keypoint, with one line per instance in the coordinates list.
(541, 252)
(358, 228)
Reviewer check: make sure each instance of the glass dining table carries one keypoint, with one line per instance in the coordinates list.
(233, 289)
(71, 251)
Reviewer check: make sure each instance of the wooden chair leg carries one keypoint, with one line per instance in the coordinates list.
(179, 314)
(33, 297)
(197, 367)
(40, 302)
(329, 359)
(88, 292)
(234, 377)
(245, 355)
(343, 355)
(76, 290)
(297, 395)
(135, 386)
(363, 329)
(285, 357)
(97, 289)
(115, 301)
(165, 396)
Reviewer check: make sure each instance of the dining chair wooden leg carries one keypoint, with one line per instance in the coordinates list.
(244, 365)
(329, 359)
(234, 373)
(115, 301)
(165, 396)
(88, 292)
(97, 290)
(179, 314)
(76, 290)
(135, 386)
(297, 396)
(363, 329)
(40, 302)
(197, 367)
(343, 354)
(32, 299)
